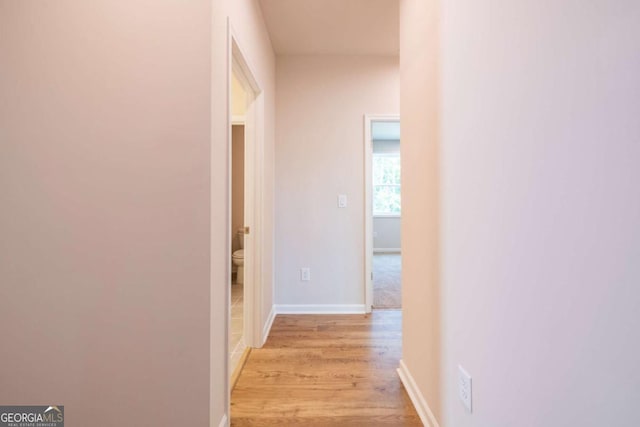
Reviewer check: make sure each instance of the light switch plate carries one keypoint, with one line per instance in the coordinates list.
(464, 387)
(342, 200)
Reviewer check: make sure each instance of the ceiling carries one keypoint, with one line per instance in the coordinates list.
(333, 27)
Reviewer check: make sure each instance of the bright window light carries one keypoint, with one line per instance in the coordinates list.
(386, 184)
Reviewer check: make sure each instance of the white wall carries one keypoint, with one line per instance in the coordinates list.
(419, 134)
(104, 218)
(321, 102)
(114, 186)
(386, 231)
(540, 207)
(238, 98)
(245, 18)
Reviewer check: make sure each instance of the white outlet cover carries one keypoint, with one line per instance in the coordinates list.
(305, 274)
(464, 387)
(342, 200)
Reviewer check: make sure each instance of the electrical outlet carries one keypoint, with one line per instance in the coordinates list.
(305, 274)
(464, 387)
(342, 200)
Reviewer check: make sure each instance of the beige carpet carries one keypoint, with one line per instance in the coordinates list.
(386, 281)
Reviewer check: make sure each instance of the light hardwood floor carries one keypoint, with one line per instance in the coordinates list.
(325, 370)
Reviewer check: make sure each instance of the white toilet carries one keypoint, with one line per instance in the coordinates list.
(238, 257)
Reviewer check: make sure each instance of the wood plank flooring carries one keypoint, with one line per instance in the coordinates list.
(325, 370)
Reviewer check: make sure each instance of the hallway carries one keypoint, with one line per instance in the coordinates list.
(520, 212)
(326, 370)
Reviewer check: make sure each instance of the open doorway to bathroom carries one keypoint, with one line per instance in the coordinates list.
(237, 343)
(245, 231)
(383, 212)
(245, 198)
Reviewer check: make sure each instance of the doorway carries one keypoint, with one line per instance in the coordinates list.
(245, 141)
(383, 212)
(237, 343)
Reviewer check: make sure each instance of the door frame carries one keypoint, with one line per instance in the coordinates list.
(238, 64)
(368, 203)
(254, 171)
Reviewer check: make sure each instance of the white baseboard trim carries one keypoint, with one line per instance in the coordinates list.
(267, 326)
(320, 309)
(223, 421)
(418, 400)
(386, 250)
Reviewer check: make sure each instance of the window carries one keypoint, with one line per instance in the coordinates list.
(386, 184)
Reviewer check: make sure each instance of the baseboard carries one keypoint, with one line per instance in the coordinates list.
(223, 421)
(386, 250)
(418, 400)
(267, 326)
(320, 309)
